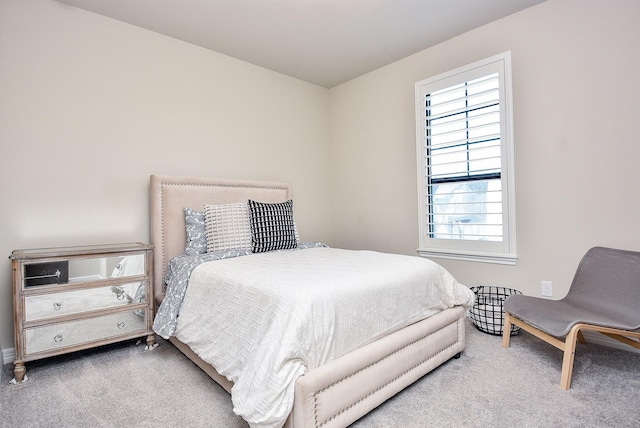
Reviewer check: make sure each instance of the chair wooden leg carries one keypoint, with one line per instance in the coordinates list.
(506, 330)
(581, 338)
(569, 356)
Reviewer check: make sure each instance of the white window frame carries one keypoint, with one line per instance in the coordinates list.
(503, 252)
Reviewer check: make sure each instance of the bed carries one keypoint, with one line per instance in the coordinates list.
(340, 391)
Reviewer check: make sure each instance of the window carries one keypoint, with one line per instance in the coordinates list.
(465, 163)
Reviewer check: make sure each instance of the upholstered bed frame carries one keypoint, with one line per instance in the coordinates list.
(343, 390)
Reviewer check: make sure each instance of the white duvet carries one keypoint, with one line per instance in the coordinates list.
(265, 319)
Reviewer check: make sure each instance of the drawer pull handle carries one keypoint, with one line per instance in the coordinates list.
(57, 306)
(57, 338)
(121, 325)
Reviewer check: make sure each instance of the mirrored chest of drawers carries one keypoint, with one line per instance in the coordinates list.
(72, 298)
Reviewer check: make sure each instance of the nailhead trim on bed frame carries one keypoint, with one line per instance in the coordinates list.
(164, 184)
(387, 383)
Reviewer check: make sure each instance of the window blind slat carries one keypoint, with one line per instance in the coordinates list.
(479, 149)
(458, 136)
(461, 120)
(458, 106)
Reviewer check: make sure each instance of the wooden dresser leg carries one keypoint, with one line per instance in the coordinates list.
(19, 371)
(151, 340)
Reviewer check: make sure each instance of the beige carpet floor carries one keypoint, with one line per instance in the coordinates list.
(124, 386)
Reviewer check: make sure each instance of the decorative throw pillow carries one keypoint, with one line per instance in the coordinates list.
(195, 230)
(227, 227)
(272, 226)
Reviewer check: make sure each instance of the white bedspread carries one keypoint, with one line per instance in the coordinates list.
(265, 319)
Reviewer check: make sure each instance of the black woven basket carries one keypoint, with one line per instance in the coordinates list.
(487, 313)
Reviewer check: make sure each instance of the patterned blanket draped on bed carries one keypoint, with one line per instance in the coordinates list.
(265, 319)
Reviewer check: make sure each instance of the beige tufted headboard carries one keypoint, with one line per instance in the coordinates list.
(170, 194)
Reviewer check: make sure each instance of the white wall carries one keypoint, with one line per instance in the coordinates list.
(90, 107)
(576, 92)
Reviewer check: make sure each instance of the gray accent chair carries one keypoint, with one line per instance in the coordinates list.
(604, 297)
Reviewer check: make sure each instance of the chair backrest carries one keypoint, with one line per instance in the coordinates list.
(607, 281)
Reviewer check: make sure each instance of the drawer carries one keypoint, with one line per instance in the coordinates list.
(63, 335)
(46, 273)
(78, 301)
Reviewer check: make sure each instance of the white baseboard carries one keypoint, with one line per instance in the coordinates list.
(8, 355)
(601, 339)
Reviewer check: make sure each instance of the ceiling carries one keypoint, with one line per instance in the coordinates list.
(325, 42)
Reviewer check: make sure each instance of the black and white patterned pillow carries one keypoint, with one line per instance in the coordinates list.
(272, 226)
(195, 231)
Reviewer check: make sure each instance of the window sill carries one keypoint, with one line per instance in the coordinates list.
(503, 259)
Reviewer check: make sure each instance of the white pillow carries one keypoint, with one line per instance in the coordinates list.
(227, 227)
